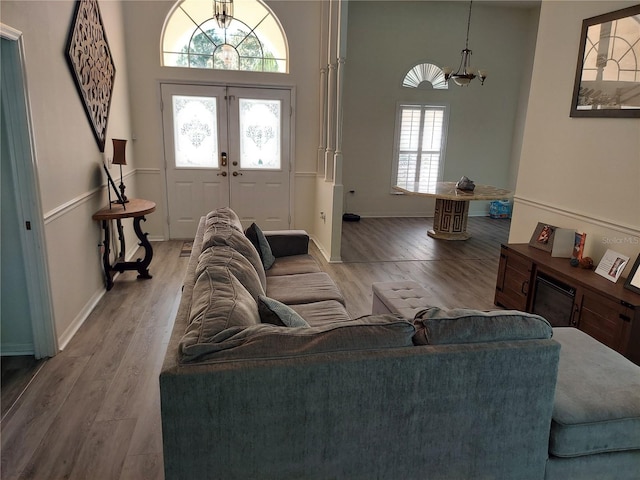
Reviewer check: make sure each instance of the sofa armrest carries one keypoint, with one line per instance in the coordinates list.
(284, 243)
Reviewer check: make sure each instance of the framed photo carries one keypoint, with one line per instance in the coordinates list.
(612, 265)
(542, 237)
(578, 246)
(633, 280)
(608, 72)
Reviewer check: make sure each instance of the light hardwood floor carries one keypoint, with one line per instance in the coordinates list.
(93, 411)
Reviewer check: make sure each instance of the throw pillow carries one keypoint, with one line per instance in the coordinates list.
(277, 313)
(258, 239)
(437, 326)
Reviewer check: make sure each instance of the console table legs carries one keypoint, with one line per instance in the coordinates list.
(143, 264)
(119, 265)
(106, 261)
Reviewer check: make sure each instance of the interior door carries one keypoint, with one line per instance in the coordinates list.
(226, 146)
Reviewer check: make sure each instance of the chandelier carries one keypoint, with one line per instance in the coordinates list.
(465, 72)
(223, 12)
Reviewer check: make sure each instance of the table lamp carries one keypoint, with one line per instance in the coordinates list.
(119, 148)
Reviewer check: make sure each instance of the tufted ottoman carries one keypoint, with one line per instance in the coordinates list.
(405, 298)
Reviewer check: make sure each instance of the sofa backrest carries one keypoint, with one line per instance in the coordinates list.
(446, 411)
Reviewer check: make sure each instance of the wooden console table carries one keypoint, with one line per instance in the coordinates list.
(452, 206)
(136, 209)
(603, 309)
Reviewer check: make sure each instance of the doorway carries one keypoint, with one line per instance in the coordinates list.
(28, 325)
(227, 146)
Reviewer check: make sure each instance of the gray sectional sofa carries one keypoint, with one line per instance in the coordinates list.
(267, 377)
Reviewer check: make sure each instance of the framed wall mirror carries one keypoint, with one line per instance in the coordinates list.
(607, 80)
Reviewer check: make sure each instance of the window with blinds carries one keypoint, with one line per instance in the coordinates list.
(420, 140)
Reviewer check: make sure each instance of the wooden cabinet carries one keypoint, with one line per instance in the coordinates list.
(515, 275)
(605, 320)
(603, 309)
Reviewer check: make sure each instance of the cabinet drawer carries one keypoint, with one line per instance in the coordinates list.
(514, 281)
(605, 320)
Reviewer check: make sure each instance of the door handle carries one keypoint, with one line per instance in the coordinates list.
(223, 159)
(222, 174)
(235, 174)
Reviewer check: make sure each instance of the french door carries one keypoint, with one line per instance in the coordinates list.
(226, 146)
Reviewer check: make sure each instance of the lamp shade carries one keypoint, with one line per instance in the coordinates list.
(119, 148)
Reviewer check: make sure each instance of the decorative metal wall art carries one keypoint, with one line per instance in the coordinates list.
(92, 67)
(607, 80)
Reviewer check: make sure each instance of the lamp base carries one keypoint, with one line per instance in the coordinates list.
(126, 200)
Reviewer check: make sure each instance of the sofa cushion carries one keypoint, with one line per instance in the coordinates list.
(238, 264)
(223, 216)
(277, 313)
(597, 402)
(285, 243)
(322, 313)
(293, 265)
(224, 235)
(437, 326)
(257, 238)
(219, 302)
(303, 288)
(269, 341)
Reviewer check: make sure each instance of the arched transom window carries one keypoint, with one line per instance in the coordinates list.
(425, 74)
(253, 41)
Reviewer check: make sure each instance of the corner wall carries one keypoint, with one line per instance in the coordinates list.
(581, 173)
(69, 163)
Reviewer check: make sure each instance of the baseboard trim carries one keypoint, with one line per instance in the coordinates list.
(77, 322)
(70, 331)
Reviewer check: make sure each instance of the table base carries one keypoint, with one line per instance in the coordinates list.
(141, 264)
(450, 220)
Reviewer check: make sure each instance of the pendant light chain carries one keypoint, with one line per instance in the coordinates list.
(465, 72)
(466, 43)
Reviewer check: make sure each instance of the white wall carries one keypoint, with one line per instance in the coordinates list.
(385, 40)
(581, 173)
(68, 159)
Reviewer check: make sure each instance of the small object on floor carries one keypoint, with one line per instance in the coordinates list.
(351, 217)
(185, 251)
(465, 184)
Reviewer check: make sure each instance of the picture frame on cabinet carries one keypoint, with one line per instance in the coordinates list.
(543, 236)
(612, 265)
(633, 280)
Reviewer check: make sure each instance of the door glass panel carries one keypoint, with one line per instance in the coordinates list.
(260, 134)
(195, 132)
